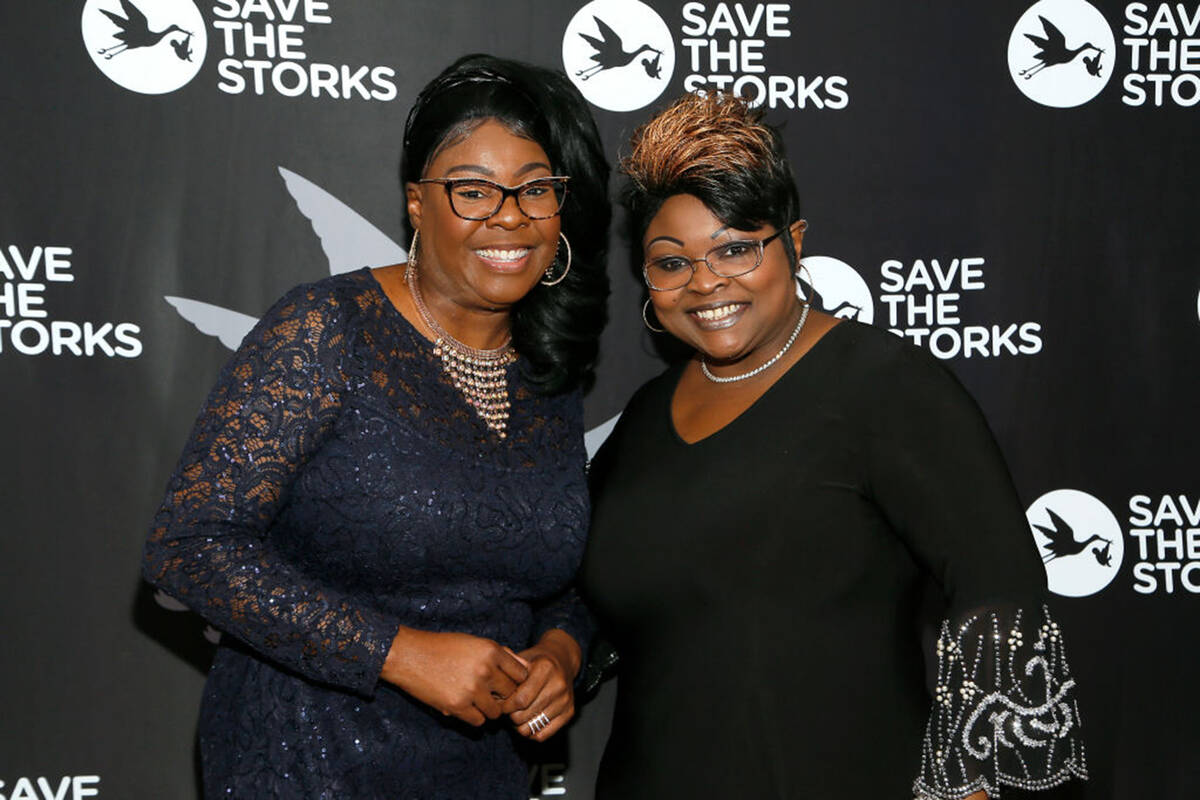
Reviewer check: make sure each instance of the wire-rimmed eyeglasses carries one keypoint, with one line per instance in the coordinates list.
(480, 199)
(727, 260)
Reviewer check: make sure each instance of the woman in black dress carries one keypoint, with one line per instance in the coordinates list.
(383, 501)
(769, 514)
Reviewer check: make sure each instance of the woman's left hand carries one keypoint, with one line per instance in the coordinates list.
(553, 664)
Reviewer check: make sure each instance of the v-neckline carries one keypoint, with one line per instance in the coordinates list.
(795, 368)
(429, 347)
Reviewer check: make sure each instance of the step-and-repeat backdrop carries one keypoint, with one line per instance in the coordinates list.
(1012, 186)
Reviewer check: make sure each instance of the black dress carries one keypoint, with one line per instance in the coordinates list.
(766, 588)
(335, 487)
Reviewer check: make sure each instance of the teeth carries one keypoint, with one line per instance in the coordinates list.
(717, 313)
(504, 255)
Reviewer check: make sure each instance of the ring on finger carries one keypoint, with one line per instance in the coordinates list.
(538, 723)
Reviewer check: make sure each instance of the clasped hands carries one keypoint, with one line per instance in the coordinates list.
(475, 679)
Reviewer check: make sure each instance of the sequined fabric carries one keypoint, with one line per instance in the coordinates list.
(336, 486)
(1004, 711)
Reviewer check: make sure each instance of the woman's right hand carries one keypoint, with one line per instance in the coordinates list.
(458, 674)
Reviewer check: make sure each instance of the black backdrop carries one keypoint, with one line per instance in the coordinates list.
(1060, 210)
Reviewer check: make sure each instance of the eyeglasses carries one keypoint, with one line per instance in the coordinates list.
(728, 260)
(479, 199)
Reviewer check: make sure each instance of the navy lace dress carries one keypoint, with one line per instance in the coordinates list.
(335, 487)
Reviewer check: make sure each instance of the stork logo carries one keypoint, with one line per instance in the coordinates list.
(619, 53)
(1061, 53)
(836, 289)
(1079, 540)
(146, 46)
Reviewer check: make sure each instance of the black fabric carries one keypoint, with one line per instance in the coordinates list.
(764, 585)
(336, 486)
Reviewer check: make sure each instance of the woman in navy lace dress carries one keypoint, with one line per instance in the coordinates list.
(383, 501)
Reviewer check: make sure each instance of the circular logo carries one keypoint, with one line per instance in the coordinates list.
(1079, 540)
(619, 53)
(838, 289)
(146, 46)
(1062, 53)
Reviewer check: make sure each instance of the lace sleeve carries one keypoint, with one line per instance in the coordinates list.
(1004, 709)
(567, 613)
(271, 408)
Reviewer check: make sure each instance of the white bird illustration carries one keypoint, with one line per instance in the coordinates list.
(596, 436)
(227, 325)
(349, 242)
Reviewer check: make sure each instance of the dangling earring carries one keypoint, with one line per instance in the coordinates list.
(566, 269)
(646, 320)
(412, 252)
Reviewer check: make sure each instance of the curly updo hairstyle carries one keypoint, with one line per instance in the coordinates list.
(716, 148)
(555, 329)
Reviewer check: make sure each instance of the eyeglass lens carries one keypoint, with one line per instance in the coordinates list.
(538, 199)
(728, 260)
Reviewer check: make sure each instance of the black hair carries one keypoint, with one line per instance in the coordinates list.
(555, 329)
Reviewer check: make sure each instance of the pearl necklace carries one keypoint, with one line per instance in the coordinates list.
(787, 345)
(479, 375)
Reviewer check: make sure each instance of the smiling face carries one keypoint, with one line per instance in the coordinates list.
(743, 320)
(483, 265)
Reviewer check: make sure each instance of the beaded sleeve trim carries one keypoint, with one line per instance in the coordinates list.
(1004, 710)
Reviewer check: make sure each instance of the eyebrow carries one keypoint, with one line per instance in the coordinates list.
(532, 165)
(479, 168)
(470, 168)
(719, 231)
(671, 239)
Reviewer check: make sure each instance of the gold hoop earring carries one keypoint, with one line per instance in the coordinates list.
(566, 269)
(412, 251)
(646, 320)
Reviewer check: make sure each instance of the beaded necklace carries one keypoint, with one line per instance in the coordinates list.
(479, 375)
